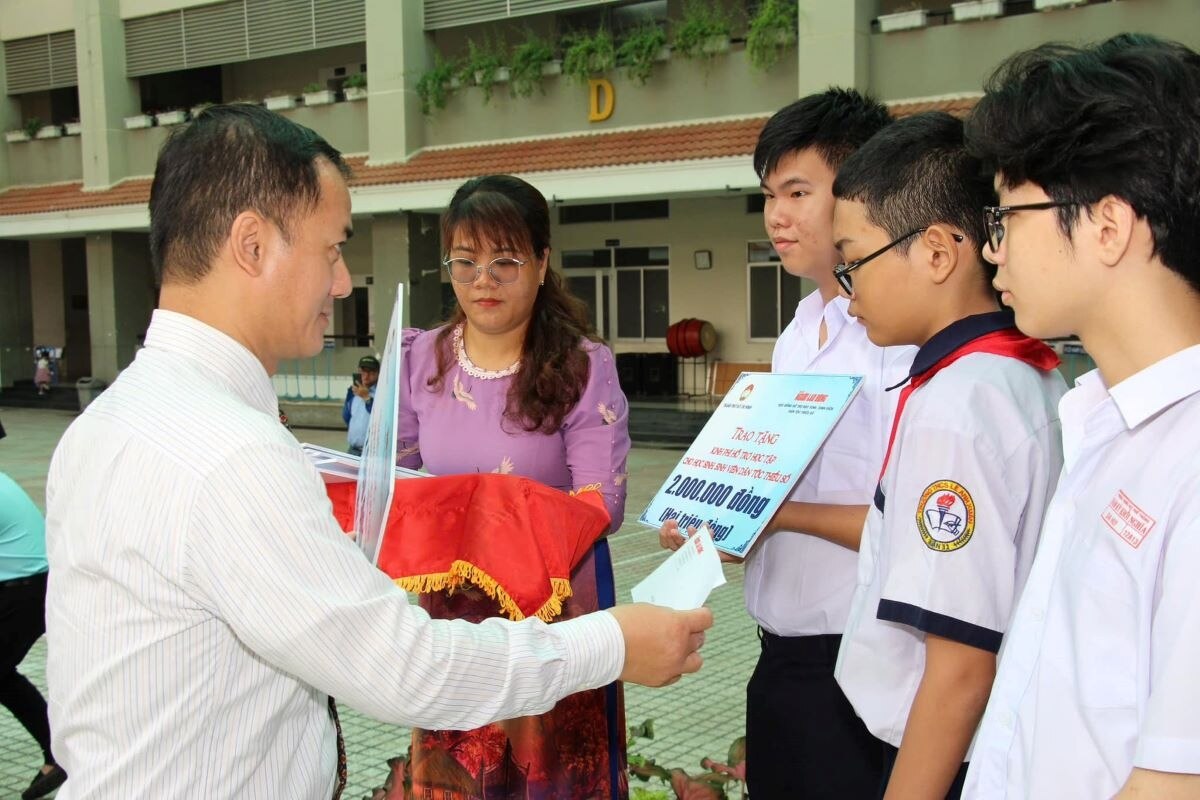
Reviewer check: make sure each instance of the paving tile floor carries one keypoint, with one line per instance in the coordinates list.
(697, 717)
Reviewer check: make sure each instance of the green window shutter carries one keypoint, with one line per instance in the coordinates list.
(215, 34)
(27, 64)
(154, 44)
(279, 26)
(448, 13)
(339, 22)
(63, 69)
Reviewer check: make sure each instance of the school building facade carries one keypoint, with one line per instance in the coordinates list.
(645, 158)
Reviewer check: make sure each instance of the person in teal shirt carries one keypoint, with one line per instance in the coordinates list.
(22, 622)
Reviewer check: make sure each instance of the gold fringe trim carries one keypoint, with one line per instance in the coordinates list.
(464, 571)
(591, 487)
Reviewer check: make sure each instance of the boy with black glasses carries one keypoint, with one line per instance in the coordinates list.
(972, 458)
(1096, 156)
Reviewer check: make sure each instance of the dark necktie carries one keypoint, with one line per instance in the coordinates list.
(340, 786)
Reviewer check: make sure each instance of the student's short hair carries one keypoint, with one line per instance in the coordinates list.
(230, 159)
(1120, 118)
(835, 123)
(915, 173)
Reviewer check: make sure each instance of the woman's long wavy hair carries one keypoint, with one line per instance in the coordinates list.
(509, 213)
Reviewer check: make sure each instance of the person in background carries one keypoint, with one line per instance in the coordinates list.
(1096, 156)
(518, 373)
(360, 396)
(803, 739)
(205, 604)
(23, 621)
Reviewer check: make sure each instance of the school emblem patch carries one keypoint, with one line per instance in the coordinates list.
(946, 516)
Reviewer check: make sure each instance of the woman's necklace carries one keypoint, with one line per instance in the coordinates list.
(468, 366)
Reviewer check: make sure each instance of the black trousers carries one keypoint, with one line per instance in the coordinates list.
(889, 763)
(22, 622)
(803, 739)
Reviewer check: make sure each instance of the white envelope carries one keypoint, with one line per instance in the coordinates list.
(686, 578)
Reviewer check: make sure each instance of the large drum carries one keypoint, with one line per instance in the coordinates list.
(691, 338)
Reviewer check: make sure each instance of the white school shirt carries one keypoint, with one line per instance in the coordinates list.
(797, 584)
(950, 536)
(203, 602)
(1100, 672)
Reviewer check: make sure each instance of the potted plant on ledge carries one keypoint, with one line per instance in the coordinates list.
(484, 66)
(904, 19)
(355, 86)
(27, 131)
(703, 32)
(175, 116)
(528, 63)
(639, 51)
(772, 29)
(279, 100)
(434, 85)
(48, 132)
(588, 54)
(317, 95)
(73, 128)
(976, 9)
(138, 121)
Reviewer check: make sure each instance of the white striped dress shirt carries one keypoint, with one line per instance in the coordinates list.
(203, 602)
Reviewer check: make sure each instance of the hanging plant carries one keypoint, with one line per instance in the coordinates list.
(703, 32)
(640, 50)
(587, 54)
(484, 66)
(527, 64)
(772, 29)
(434, 86)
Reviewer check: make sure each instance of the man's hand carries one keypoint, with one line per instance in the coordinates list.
(661, 645)
(362, 391)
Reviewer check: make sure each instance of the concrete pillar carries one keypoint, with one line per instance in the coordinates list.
(16, 321)
(46, 290)
(834, 44)
(390, 257)
(10, 119)
(121, 295)
(397, 53)
(106, 95)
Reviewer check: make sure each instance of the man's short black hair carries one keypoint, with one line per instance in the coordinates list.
(835, 123)
(230, 159)
(915, 173)
(1120, 118)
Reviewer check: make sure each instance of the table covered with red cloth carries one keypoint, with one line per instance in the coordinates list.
(514, 538)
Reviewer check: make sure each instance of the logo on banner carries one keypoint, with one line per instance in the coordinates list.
(745, 393)
(946, 516)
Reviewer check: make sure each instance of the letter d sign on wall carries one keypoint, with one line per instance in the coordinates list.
(602, 99)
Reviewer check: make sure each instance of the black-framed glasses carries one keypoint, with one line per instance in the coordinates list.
(842, 271)
(993, 218)
(503, 270)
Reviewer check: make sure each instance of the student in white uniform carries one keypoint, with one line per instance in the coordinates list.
(973, 455)
(803, 738)
(1098, 689)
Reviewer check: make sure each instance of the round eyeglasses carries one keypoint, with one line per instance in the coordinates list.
(503, 270)
(993, 219)
(842, 271)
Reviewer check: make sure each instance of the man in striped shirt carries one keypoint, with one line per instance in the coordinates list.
(203, 603)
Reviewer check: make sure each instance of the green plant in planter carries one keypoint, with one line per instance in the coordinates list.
(586, 54)
(482, 65)
(772, 29)
(639, 50)
(310, 88)
(433, 86)
(702, 23)
(356, 81)
(526, 62)
(32, 126)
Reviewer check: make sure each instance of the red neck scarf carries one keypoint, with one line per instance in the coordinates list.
(1006, 341)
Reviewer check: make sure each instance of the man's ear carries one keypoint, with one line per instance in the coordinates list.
(248, 239)
(1112, 222)
(942, 253)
